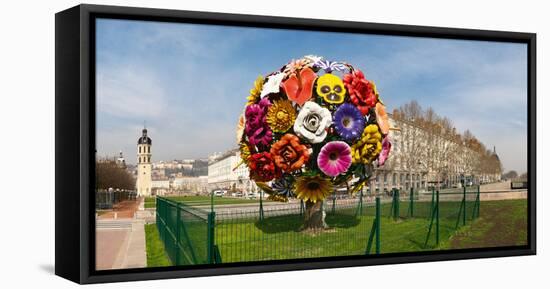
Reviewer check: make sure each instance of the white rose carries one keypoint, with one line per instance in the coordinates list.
(312, 122)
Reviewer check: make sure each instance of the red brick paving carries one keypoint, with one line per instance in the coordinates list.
(124, 210)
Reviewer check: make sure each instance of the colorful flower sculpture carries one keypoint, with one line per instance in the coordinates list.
(306, 130)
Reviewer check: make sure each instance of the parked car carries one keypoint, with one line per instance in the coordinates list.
(219, 193)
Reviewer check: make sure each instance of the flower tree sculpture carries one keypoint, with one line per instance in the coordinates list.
(311, 127)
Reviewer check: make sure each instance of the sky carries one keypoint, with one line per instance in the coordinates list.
(188, 83)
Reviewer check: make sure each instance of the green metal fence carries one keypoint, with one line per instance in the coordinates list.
(248, 236)
(106, 200)
(196, 236)
(187, 232)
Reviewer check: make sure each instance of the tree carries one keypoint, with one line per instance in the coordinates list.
(524, 176)
(430, 142)
(510, 175)
(410, 137)
(110, 175)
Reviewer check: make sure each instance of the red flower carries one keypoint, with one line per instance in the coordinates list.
(262, 167)
(361, 91)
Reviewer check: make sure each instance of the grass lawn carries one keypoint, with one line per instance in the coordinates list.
(501, 223)
(156, 256)
(150, 202)
(280, 237)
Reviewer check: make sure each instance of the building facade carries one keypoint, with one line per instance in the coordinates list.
(223, 173)
(144, 180)
(419, 159)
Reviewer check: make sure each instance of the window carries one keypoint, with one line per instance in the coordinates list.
(140, 157)
(149, 149)
(139, 149)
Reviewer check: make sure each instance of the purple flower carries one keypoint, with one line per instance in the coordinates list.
(257, 130)
(386, 147)
(330, 66)
(334, 158)
(349, 122)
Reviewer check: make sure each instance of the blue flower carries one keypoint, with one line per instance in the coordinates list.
(348, 122)
(283, 187)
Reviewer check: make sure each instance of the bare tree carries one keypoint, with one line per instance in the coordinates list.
(410, 137)
(110, 175)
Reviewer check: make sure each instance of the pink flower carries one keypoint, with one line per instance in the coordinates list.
(386, 147)
(256, 128)
(334, 158)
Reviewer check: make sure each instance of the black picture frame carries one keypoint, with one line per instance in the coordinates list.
(75, 139)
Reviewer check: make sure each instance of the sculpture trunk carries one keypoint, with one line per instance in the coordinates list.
(314, 217)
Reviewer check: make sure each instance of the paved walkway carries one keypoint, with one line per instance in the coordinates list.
(122, 210)
(120, 241)
(120, 244)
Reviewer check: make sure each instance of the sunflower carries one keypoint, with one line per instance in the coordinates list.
(244, 149)
(255, 91)
(281, 115)
(313, 188)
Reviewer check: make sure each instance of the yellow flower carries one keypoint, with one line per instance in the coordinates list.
(255, 91)
(245, 151)
(281, 115)
(367, 149)
(264, 187)
(313, 188)
(277, 198)
(358, 186)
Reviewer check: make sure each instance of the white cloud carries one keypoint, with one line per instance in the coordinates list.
(129, 91)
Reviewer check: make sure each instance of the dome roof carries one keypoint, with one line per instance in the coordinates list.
(144, 139)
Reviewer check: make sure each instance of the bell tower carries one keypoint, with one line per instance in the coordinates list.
(143, 182)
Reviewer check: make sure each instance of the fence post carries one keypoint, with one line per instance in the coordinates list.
(437, 219)
(212, 201)
(392, 209)
(178, 220)
(261, 205)
(411, 203)
(432, 203)
(397, 201)
(464, 208)
(302, 209)
(478, 201)
(334, 203)
(359, 211)
(210, 253)
(377, 225)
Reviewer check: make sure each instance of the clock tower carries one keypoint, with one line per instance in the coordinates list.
(143, 183)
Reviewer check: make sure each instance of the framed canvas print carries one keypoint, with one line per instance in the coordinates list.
(194, 144)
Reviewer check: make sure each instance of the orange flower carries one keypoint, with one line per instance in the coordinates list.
(289, 154)
(382, 118)
(299, 86)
